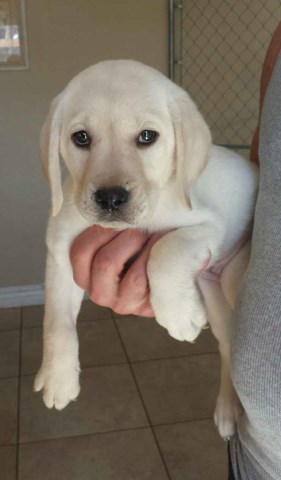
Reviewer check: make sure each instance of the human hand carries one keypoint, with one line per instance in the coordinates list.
(111, 266)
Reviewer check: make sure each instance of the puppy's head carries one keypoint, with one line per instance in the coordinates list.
(124, 131)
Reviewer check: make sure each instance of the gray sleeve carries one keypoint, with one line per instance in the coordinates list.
(256, 346)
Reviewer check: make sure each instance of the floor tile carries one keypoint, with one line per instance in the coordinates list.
(90, 311)
(108, 401)
(9, 318)
(179, 389)
(145, 339)
(8, 410)
(127, 455)
(31, 349)
(193, 451)
(9, 353)
(8, 463)
(99, 344)
(33, 316)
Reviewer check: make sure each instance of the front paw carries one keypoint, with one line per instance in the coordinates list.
(183, 319)
(59, 382)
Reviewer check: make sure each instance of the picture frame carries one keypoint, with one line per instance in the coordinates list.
(13, 39)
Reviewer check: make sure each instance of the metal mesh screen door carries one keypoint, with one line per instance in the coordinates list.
(217, 48)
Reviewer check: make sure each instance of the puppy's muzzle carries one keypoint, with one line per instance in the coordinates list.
(111, 199)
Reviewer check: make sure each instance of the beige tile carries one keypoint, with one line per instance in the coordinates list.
(9, 318)
(193, 450)
(9, 353)
(8, 463)
(127, 455)
(108, 401)
(33, 316)
(179, 389)
(8, 410)
(145, 339)
(99, 345)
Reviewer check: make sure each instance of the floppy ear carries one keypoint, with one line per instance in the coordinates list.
(49, 148)
(193, 141)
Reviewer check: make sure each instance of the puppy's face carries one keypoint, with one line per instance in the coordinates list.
(118, 143)
(119, 127)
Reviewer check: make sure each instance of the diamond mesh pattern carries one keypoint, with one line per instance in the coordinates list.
(221, 47)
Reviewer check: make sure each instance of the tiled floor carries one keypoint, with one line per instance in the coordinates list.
(144, 411)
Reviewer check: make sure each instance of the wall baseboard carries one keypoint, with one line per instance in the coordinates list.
(21, 296)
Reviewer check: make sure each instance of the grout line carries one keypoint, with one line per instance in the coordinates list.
(174, 357)
(19, 396)
(79, 322)
(181, 422)
(142, 401)
(93, 434)
(83, 368)
(3, 330)
(9, 377)
(127, 361)
(7, 445)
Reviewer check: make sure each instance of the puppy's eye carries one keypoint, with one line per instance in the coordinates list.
(147, 136)
(81, 138)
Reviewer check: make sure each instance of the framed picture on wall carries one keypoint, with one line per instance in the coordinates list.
(13, 43)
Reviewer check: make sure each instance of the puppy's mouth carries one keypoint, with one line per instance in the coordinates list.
(114, 218)
(106, 218)
(123, 218)
(113, 207)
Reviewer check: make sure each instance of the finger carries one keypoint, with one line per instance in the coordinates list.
(145, 310)
(83, 250)
(108, 264)
(133, 292)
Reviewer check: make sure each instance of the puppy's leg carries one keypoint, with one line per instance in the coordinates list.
(58, 376)
(220, 316)
(173, 264)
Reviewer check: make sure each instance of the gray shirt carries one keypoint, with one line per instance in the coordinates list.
(256, 346)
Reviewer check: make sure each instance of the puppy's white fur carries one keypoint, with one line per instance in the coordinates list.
(205, 193)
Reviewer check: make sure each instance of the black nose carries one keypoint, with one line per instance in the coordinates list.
(111, 198)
